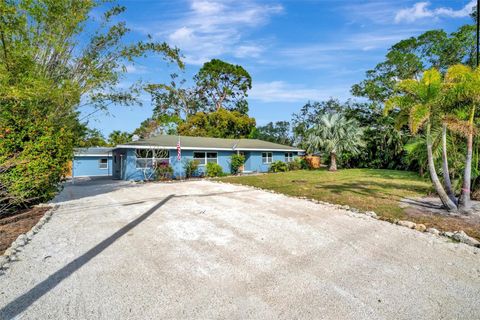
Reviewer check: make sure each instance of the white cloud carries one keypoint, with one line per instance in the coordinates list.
(421, 10)
(214, 28)
(136, 69)
(280, 91)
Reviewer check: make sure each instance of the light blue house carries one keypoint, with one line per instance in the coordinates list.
(135, 160)
(92, 162)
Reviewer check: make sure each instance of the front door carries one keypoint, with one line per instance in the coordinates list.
(118, 165)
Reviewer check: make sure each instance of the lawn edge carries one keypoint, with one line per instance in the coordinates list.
(10, 255)
(455, 236)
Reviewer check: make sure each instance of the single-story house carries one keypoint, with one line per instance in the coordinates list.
(134, 160)
(92, 162)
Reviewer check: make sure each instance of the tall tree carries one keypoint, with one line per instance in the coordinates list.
(92, 138)
(462, 86)
(218, 124)
(278, 132)
(408, 58)
(418, 102)
(334, 134)
(52, 66)
(119, 137)
(224, 85)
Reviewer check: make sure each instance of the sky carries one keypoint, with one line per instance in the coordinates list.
(295, 50)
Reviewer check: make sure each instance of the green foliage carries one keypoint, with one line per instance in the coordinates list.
(218, 124)
(278, 132)
(408, 58)
(213, 170)
(334, 133)
(297, 164)
(278, 166)
(236, 161)
(46, 77)
(191, 168)
(92, 138)
(163, 171)
(119, 137)
(224, 85)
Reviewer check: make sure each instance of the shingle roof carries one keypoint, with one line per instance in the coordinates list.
(92, 151)
(170, 142)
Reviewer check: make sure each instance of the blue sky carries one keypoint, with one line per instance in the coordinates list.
(295, 50)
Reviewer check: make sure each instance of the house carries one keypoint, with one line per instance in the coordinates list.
(134, 160)
(88, 162)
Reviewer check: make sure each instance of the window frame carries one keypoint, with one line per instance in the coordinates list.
(267, 157)
(100, 164)
(153, 159)
(289, 157)
(205, 157)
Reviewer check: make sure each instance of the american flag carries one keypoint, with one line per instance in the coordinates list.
(179, 150)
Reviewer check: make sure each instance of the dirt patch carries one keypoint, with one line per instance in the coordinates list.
(12, 226)
(429, 212)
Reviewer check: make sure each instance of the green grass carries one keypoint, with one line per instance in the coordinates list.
(365, 189)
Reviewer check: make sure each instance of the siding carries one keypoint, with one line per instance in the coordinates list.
(253, 162)
(89, 166)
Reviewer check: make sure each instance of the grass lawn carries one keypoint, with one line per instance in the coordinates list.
(365, 189)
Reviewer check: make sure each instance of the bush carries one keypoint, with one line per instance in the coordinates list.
(163, 171)
(295, 164)
(278, 166)
(213, 170)
(191, 168)
(236, 161)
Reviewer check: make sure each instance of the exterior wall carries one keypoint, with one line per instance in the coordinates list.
(253, 162)
(89, 166)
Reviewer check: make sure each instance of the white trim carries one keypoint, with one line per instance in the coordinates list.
(205, 152)
(99, 163)
(269, 150)
(200, 148)
(92, 155)
(93, 175)
(271, 157)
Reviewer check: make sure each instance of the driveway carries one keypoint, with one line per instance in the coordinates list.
(203, 250)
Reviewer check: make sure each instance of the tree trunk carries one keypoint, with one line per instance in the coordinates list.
(333, 161)
(449, 205)
(464, 202)
(446, 174)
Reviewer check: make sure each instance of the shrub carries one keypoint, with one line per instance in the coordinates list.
(278, 166)
(214, 170)
(236, 161)
(191, 168)
(295, 164)
(163, 171)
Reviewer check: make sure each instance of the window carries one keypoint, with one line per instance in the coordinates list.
(103, 163)
(202, 158)
(288, 156)
(266, 157)
(149, 158)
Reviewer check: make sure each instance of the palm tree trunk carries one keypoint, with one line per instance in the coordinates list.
(333, 161)
(446, 174)
(464, 202)
(449, 205)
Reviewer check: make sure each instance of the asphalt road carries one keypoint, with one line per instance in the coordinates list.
(202, 250)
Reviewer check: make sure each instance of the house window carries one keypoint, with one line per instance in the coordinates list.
(266, 157)
(288, 156)
(150, 158)
(202, 158)
(103, 163)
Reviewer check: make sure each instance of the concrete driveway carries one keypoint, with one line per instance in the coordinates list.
(204, 250)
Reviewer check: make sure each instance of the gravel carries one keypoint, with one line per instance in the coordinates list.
(214, 251)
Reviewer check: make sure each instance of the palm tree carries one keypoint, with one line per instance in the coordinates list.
(418, 101)
(462, 90)
(335, 134)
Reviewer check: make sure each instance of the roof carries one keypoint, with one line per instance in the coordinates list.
(93, 151)
(203, 143)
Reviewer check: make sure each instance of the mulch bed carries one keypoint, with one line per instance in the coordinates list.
(12, 226)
